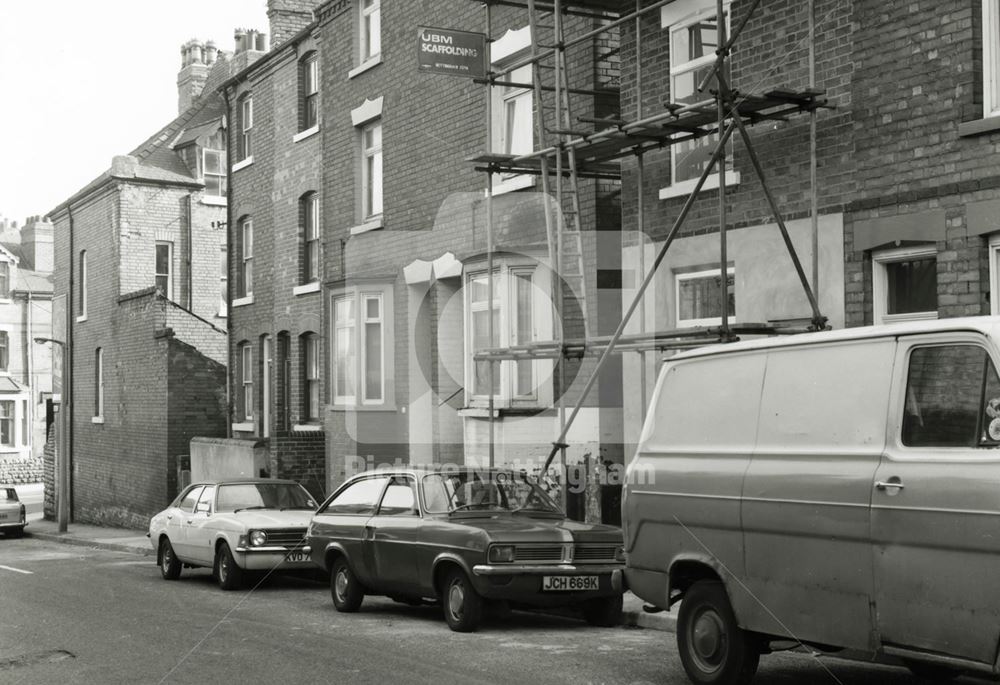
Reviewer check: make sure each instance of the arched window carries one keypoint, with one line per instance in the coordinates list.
(308, 91)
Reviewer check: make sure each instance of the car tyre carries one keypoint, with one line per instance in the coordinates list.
(932, 673)
(170, 565)
(345, 589)
(463, 607)
(713, 648)
(227, 572)
(605, 612)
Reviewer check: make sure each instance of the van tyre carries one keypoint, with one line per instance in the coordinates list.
(605, 612)
(345, 589)
(712, 646)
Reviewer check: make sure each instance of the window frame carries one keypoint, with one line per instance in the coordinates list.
(312, 398)
(222, 174)
(246, 381)
(309, 114)
(5, 273)
(10, 421)
(311, 259)
(367, 9)
(880, 282)
(81, 312)
(169, 290)
(368, 156)
(991, 58)
(246, 256)
(358, 294)
(245, 140)
(4, 351)
(99, 383)
(694, 275)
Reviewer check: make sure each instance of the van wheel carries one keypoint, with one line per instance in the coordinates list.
(932, 673)
(713, 648)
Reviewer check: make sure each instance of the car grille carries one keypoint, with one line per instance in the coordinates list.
(540, 553)
(286, 537)
(594, 553)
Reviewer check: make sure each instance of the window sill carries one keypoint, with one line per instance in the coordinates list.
(242, 164)
(306, 288)
(370, 63)
(915, 316)
(242, 301)
(81, 318)
(372, 225)
(246, 427)
(363, 407)
(213, 200)
(711, 183)
(308, 133)
(979, 126)
(512, 183)
(97, 419)
(307, 428)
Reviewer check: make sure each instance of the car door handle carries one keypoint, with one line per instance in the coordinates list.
(169, 516)
(190, 520)
(368, 533)
(884, 485)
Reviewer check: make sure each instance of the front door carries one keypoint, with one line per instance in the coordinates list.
(936, 501)
(391, 536)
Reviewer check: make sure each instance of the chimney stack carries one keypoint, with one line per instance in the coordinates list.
(288, 17)
(194, 71)
(36, 243)
(250, 45)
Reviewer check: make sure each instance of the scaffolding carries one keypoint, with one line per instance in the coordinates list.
(569, 149)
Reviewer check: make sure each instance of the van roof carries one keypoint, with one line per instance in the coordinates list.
(987, 325)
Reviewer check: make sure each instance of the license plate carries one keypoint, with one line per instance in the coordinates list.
(297, 557)
(568, 583)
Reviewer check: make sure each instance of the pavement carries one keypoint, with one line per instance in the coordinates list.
(136, 542)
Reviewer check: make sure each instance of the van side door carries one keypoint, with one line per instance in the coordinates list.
(807, 492)
(936, 501)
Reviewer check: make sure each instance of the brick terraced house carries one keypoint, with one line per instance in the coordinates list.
(140, 255)
(358, 248)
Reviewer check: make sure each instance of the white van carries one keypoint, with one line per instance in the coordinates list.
(838, 490)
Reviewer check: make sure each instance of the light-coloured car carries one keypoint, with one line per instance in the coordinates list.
(12, 514)
(234, 526)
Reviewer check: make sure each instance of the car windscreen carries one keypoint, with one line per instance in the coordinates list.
(484, 491)
(238, 496)
(8, 495)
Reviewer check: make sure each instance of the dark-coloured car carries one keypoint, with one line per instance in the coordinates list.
(12, 514)
(464, 537)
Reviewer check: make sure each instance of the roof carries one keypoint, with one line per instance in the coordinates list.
(986, 325)
(9, 386)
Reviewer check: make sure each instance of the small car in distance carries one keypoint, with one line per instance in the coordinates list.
(12, 514)
(465, 537)
(234, 526)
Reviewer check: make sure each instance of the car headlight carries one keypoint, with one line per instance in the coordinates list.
(503, 554)
(257, 538)
(620, 554)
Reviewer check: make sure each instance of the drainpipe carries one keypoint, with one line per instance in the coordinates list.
(229, 280)
(189, 253)
(65, 467)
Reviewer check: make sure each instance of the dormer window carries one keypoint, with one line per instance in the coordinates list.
(213, 164)
(4, 279)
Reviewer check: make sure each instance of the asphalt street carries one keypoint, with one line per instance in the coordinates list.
(80, 615)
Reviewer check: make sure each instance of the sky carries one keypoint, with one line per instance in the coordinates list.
(84, 80)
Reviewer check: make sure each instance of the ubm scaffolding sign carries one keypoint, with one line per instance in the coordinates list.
(456, 53)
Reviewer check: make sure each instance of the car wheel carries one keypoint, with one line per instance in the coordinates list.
(463, 607)
(345, 589)
(932, 673)
(227, 572)
(713, 648)
(170, 566)
(603, 611)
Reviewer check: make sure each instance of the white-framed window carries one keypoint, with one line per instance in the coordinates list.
(310, 376)
(361, 327)
(81, 303)
(246, 257)
(309, 216)
(370, 28)
(521, 313)
(371, 170)
(214, 172)
(698, 297)
(163, 268)
(4, 350)
(7, 437)
(223, 280)
(991, 58)
(904, 284)
(693, 29)
(246, 380)
(99, 382)
(513, 131)
(25, 430)
(245, 141)
(309, 105)
(4, 280)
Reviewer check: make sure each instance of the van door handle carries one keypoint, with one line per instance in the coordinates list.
(883, 485)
